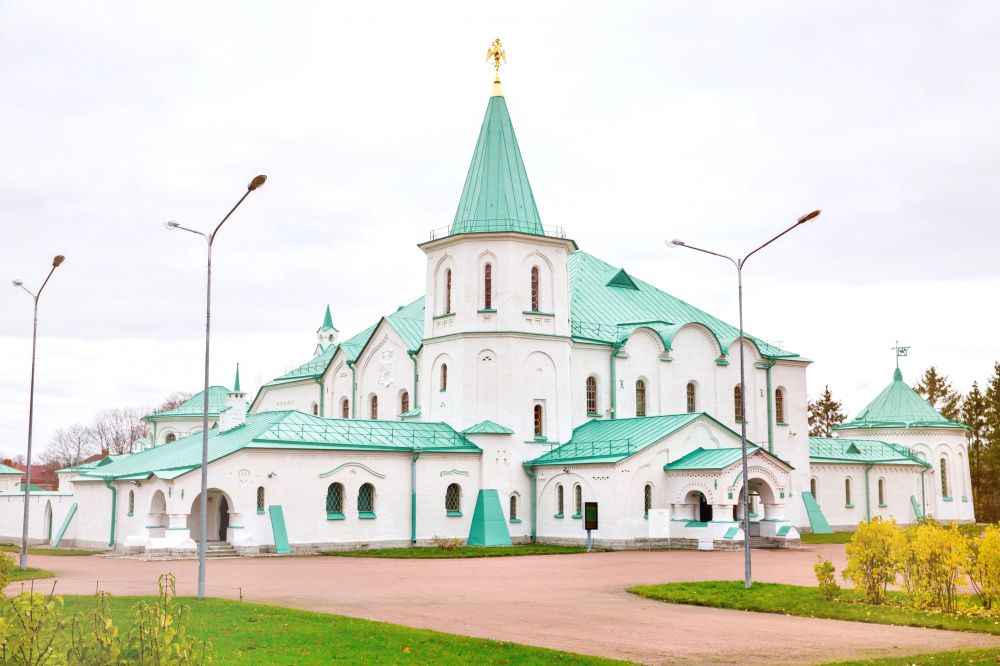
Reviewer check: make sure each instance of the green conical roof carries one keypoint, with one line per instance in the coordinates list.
(899, 406)
(236, 384)
(497, 195)
(327, 321)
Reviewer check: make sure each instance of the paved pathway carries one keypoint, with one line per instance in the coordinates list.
(576, 603)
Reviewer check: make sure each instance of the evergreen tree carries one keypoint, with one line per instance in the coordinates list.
(991, 435)
(824, 414)
(974, 416)
(937, 390)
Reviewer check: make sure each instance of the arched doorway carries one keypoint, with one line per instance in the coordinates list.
(219, 506)
(701, 510)
(157, 519)
(762, 496)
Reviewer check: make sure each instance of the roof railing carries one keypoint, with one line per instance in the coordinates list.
(608, 447)
(487, 226)
(375, 433)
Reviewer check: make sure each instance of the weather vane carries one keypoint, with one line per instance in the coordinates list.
(497, 52)
(900, 351)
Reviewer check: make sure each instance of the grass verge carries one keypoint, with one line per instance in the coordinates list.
(250, 634)
(42, 550)
(29, 574)
(808, 602)
(989, 656)
(432, 552)
(833, 537)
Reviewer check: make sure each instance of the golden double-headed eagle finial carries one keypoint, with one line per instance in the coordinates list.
(497, 52)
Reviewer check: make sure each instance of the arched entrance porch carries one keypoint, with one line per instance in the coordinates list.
(219, 508)
(767, 510)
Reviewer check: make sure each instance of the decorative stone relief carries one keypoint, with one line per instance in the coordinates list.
(386, 368)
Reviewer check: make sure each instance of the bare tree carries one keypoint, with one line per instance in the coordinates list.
(70, 446)
(171, 401)
(115, 429)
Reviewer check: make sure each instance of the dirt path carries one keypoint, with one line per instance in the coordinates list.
(576, 603)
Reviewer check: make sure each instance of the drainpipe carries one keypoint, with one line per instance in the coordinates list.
(868, 493)
(614, 388)
(416, 393)
(770, 409)
(534, 508)
(413, 496)
(354, 391)
(319, 380)
(114, 510)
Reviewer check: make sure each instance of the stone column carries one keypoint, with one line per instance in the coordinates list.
(775, 512)
(722, 513)
(177, 536)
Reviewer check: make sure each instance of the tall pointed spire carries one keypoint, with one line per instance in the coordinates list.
(327, 319)
(497, 195)
(236, 384)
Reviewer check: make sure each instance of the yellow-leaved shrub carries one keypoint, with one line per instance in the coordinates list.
(873, 557)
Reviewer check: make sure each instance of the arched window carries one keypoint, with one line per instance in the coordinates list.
(647, 499)
(488, 286)
(374, 407)
(944, 478)
(171, 437)
(513, 506)
(848, 500)
(335, 499)
(539, 425)
(447, 291)
(577, 501)
(738, 402)
(881, 492)
(779, 406)
(444, 376)
(315, 407)
(404, 402)
(591, 395)
(453, 499)
(131, 502)
(812, 489)
(640, 398)
(692, 403)
(535, 290)
(260, 499)
(559, 501)
(345, 409)
(366, 501)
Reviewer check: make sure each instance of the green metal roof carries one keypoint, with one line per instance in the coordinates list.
(710, 458)
(497, 195)
(860, 451)
(327, 321)
(607, 304)
(4, 469)
(600, 441)
(284, 429)
(194, 405)
(899, 406)
(487, 427)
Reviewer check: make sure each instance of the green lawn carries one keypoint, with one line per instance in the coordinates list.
(29, 574)
(807, 602)
(248, 634)
(433, 552)
(43, 550)
(833, 537)
(991, 656)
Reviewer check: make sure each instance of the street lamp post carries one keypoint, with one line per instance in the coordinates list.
(739, 263)
(31, 407)
(209, 239)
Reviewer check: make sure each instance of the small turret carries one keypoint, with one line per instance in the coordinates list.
(326, 334)
(235, 413)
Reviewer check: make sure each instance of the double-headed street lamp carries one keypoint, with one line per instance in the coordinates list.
(739, 263)
(209, 239)
(31, 406)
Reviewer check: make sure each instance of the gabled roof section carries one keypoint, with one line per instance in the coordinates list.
(283, 430)
(702, 458)
(600, 441)
(487, 427)
(860, 451)
(5, 470)
(602, 311)
(408, 321)
(194, 405)
(497, 196)
(899, 406)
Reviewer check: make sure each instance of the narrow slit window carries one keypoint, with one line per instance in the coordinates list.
(374, 407)
(847, 492)
(647, 499)
(539, 425)
(640, 398)
(444, 376)
(578, 501)
(488, 286)
(404, 402)
(559, 500)
(591, 395)
(260, 499)
(944, 478)
(447, 291)
(779, 406)
(738, 403)
(881, 492)
(513, 507)
(692, 405)
(535, 300)
(345, 409)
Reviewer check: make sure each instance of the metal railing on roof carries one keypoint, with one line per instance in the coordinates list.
(595, 330)
(373, 434)
(486, 226)
(599, 449)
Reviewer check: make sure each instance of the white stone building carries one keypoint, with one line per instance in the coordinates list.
(529, 378)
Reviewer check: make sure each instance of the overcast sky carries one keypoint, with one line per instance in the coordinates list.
(716, 123)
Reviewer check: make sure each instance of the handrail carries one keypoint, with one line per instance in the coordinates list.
(496, 226)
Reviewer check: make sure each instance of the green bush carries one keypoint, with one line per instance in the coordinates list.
(826, 578)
